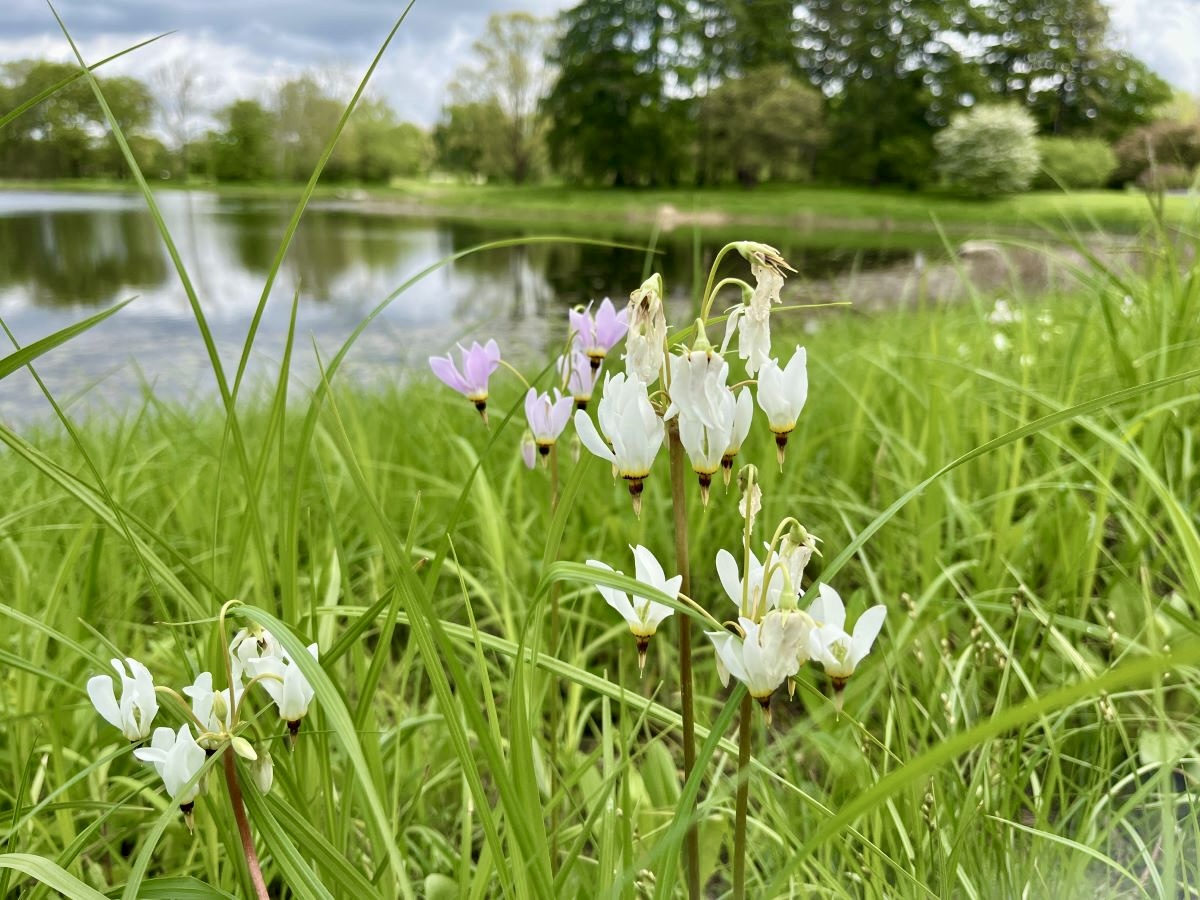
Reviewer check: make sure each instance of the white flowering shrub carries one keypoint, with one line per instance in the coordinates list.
(988, 151)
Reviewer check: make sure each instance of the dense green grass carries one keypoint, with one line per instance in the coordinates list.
(802, 207)
(994, 744)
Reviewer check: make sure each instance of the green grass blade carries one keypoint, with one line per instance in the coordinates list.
(70, 79)
(18, 359)
(306, 195)
(49, 874)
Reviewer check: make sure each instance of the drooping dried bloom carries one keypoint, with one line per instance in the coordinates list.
(645, 346)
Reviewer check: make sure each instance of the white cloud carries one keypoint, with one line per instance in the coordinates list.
(1164, 34)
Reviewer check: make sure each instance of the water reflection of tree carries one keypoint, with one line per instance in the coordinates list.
(80, 257)
(329, 245)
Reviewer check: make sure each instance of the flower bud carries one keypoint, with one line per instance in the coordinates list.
(243, 748)
(263, 772)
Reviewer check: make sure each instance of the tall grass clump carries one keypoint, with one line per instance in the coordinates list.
(1014, 479)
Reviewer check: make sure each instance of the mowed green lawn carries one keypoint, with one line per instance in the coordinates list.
(1020, 728)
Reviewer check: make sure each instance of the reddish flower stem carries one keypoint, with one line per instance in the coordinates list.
(239, 813)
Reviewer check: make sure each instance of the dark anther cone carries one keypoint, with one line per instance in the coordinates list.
(481, 405)
(727, 469)
(705, 482)
(781, 448)
(765, 703)
(643, 642)
(635, 494)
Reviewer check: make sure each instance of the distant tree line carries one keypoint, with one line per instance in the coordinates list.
(670, 92)
(66, 135)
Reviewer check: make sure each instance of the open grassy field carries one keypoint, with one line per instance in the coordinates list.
(803, 206)
(1020, 493)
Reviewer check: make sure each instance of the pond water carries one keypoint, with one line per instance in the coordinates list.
(64, 256)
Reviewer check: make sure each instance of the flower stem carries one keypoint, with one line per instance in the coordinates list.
(742, 802)
(554, 695)
(239, 813)
(679, 504)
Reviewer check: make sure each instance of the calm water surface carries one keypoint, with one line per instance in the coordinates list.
(64, 256)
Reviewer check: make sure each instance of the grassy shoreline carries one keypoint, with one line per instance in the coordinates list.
(1046, 562)
(801, 207)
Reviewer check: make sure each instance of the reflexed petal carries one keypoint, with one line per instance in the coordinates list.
(742, 418)
(647, 569)
(104, 698)
(828, 608)
(866, 629)
(617, 599)
(591, 438)
(443, 367)
(477, 368)
(727, 573)
(729, 654)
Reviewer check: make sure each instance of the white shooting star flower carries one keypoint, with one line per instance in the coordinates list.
(642, 615)
(767, 655)
(782, 394)
(829, 644)
(177, 758)
(135, 712)
(631, 425)
(743, 415)
(283, 680)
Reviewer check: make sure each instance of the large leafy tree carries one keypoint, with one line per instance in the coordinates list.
(1055, 57)
(765, 125)
(66, 134)
(509, 79)
(618, 109)
(894, 72)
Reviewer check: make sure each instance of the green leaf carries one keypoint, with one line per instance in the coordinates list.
(49, 874)
(23, 357)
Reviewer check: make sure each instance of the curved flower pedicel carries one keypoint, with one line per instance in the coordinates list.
(768, 653)
(829, 644)
(547, 417)
(782, 394)
(177, 758)
(578, 376)
(752, 317)
(642, 615)
(135, 712)
(760, 598)
(630, 423)
(213, 708)
(595, 335)
(478, 364)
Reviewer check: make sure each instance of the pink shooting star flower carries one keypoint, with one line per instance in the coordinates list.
(578, 376)
(547, 418)
(595, 335)
(478, 364)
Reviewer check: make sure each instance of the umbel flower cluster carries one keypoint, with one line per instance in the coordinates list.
(684, 384)
(659, 384)
(214, 720)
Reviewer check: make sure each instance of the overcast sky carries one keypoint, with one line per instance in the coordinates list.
(246, 46)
